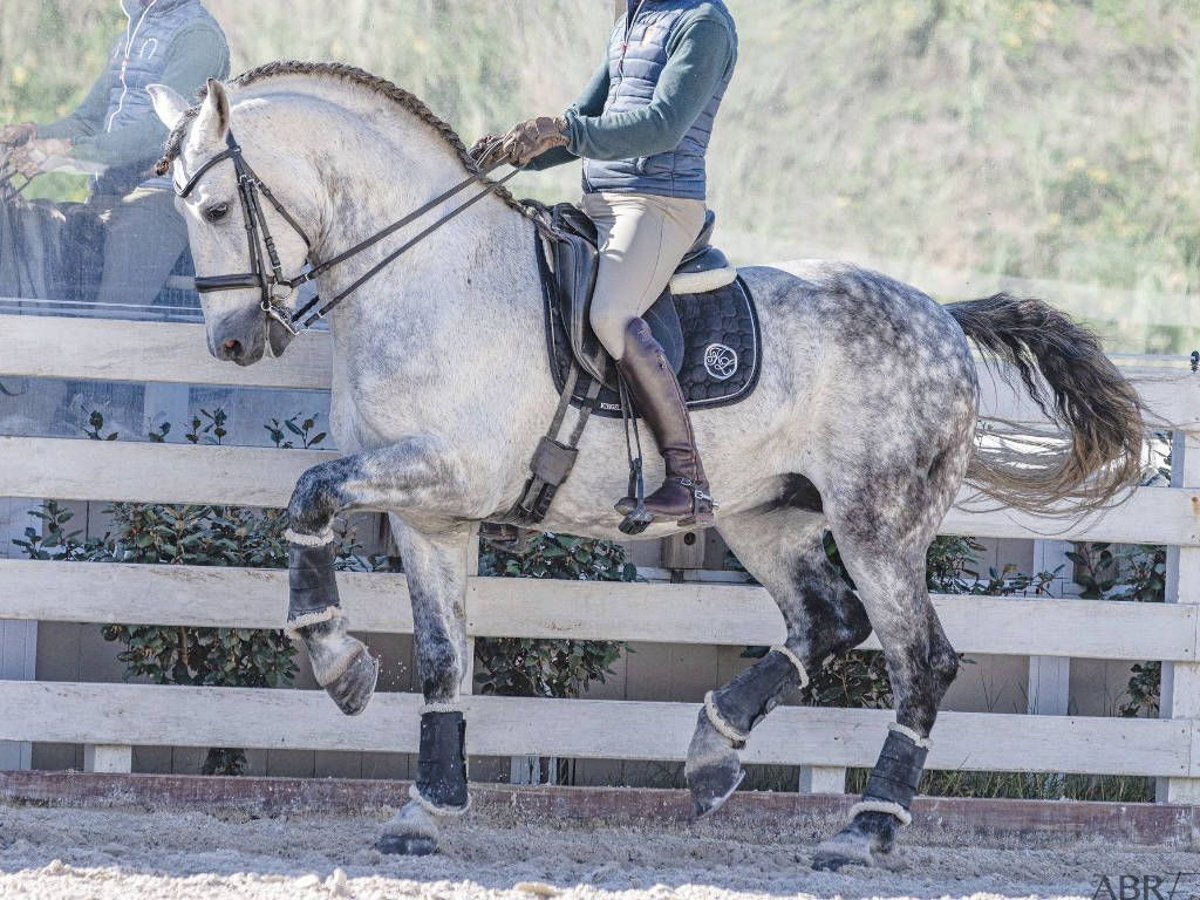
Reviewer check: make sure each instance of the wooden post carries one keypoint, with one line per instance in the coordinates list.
(18, 637)
(1181, 681)
(107, 758)
(472, 567)
(683, 551)
(1050, 676)
(822, 780)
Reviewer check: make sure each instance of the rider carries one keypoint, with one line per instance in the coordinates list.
(115, 131)
(642, 127)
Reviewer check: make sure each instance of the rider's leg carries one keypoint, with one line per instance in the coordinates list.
(144, 237)
(642, 239)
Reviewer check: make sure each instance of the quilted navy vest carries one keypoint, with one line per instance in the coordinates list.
(137, 61)
(635, 60)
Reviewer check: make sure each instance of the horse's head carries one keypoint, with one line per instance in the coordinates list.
(228, 230)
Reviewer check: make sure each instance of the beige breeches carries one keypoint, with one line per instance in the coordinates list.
(642, 239)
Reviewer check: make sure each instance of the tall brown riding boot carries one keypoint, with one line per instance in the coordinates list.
(656, 394)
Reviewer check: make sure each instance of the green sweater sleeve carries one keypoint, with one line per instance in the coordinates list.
(702, 52)
(86, 119)
(195, 55)
(590, 103)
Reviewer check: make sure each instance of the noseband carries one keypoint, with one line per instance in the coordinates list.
(274, 287)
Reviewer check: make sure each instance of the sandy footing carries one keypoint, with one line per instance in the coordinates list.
(125, 853)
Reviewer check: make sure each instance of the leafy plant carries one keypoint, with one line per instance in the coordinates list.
(1139, 574)
(524, 667)
(303, 430)
(210, 429)
(1145, 690)
(94, 428)
(51, 540)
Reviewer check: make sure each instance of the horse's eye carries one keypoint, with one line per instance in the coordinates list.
(216, 212)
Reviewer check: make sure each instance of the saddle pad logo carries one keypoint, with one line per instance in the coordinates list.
(720, 362)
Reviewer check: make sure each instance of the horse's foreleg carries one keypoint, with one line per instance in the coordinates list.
(784, 550)
(434, 565)
(412, 473)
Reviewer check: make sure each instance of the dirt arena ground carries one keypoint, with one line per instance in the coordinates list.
(126, 853)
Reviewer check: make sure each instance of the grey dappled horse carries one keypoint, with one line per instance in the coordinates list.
(864, 422)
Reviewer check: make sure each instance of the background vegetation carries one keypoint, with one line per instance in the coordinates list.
(959, 144)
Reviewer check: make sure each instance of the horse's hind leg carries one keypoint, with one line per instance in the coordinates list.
(884, 551)
(784, 549)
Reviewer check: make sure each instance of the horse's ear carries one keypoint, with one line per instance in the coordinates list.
(168, 103)
(213, 120)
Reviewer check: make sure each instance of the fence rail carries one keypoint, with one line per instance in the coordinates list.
(695, 613)
(122, 715)
(112, 718)
(72, 469)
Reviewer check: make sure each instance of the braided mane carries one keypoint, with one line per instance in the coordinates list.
(407, 101)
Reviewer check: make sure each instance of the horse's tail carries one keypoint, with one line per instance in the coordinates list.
(1095, 451)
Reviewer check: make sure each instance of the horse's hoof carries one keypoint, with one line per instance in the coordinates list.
(711, 788)
(842, 850)
(352, 690)
(411, 832)
(832, 861)
(406, 845)
(867, 841)
(713, 769)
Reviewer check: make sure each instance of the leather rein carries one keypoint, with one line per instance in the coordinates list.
(274, 287)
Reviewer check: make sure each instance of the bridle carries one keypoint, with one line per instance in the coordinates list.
(267, 274)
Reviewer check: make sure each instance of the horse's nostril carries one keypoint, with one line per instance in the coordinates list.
(232, 347)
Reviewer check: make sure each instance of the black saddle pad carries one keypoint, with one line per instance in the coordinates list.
(721, 346)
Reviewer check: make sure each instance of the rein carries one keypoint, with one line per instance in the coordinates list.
(274, 286)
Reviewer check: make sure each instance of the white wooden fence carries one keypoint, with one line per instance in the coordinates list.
(110, 719)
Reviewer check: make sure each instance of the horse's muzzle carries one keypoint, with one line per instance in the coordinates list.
(239, 339)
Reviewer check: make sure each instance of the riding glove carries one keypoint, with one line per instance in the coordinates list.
(484, 151)
(533, 137)
(34, 157)
(17, 134)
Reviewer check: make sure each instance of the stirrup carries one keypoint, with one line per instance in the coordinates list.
(639, 519)
(500, 535)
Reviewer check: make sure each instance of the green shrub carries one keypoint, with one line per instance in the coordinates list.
(525, 667)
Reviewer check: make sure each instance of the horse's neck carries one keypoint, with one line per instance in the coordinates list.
(447, 271)
(372, 176)
(467, 290)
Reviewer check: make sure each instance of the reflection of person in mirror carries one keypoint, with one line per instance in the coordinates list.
(115, 136)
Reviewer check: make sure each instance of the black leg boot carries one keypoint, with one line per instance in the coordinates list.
(684, 492)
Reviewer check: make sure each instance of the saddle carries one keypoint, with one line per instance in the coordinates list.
(705, 319)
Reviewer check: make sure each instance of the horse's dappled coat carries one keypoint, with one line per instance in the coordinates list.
(863, 424)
